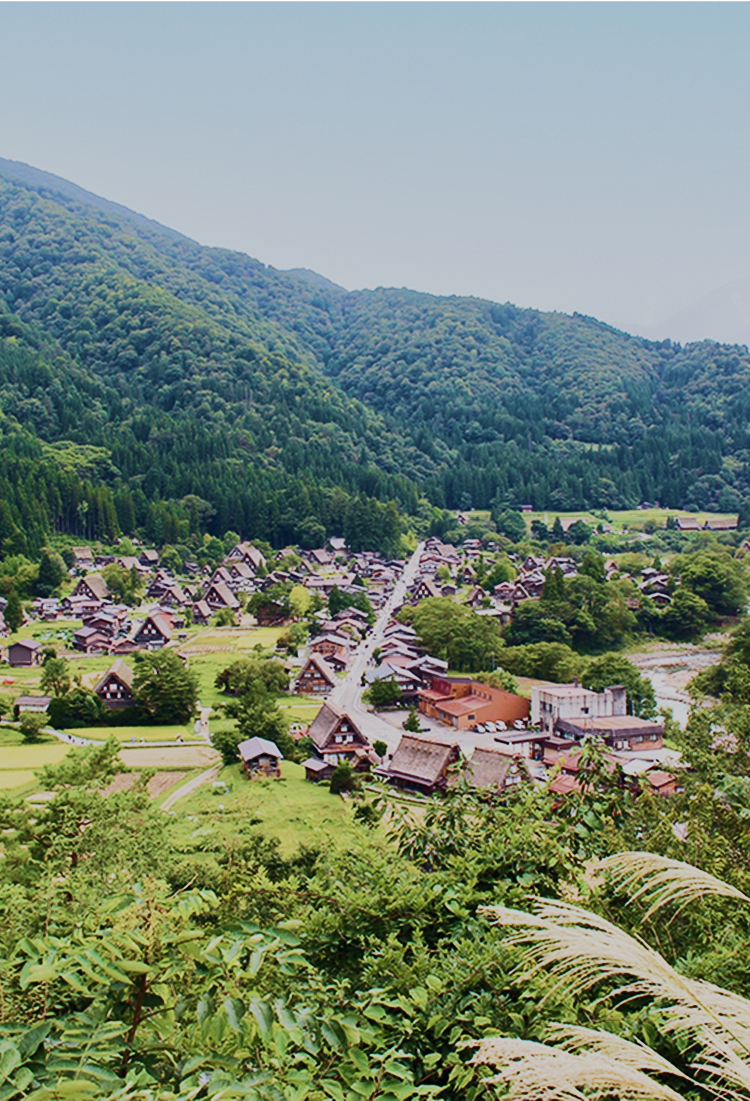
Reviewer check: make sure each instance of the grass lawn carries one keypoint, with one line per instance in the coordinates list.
(291, 809)
(299, 708)
(128, 733)
(631, 519)
(239, 642)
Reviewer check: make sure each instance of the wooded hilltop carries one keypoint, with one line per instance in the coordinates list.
(139, 369)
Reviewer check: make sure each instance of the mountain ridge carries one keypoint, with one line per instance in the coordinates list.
(386, 394)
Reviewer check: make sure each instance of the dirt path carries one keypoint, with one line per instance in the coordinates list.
(192, 785)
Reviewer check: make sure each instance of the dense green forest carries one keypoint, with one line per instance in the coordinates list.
(139, 370)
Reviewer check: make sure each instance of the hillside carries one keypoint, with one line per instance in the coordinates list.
(291, 406)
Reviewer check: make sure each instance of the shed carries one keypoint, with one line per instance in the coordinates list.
(26, 651)
(35, 704)
(260, 757)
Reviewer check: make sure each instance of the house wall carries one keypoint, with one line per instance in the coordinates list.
(114, 694)
(20, 656)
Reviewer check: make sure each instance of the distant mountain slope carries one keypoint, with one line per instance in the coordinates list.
(212, 371)
(724, 314)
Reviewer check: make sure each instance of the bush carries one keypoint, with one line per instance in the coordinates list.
(78, 707)
(384, 693)
(500, 678)
(553, 661)
(32, 726)
(344, 778)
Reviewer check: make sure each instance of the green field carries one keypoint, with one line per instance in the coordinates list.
(16, 778)
(632, 519)
(627, 520)
(15, 757)
(131, 733)
(239, 642)
(291, 809)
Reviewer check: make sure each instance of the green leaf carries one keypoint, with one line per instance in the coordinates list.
(333, 1089)
(37, 973)
(360, 1060)
(10, 1058)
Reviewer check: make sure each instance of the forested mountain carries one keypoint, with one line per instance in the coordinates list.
(293, 407)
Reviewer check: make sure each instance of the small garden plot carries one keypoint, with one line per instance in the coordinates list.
(291, 809)
(158, 785)
(169, 757)
(15, 757)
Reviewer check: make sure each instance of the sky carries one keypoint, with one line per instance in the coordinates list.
(579, 157)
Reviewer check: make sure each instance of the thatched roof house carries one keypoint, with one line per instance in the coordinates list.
(421, 764)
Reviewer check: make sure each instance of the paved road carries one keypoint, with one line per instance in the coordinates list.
(347, 695)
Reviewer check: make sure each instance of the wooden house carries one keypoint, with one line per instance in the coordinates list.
(24, 652)
(424, 589)
(336, 737)
(246, 552)
(36, 705)
(173, 597)
(92, 587)
(149, 559)
(316, 677)
(89, 640)
(421, 764)
(115, 687)
(154, 632)
(687, 523)
(219, 595)
(260, 758)
(493, 770)
(201, 613)
(724, 523)
(328, 645)
(83, 558)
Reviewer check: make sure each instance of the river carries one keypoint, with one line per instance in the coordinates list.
(670, 669)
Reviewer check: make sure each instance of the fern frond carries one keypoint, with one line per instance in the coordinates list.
(661, 881)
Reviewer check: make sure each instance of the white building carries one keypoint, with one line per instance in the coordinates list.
(552, 702)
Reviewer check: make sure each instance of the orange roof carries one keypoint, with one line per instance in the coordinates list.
(564, 784)
(658, 778)
(464, 705)
(428, 694)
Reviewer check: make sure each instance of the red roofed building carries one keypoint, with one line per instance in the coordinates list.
(463, 703)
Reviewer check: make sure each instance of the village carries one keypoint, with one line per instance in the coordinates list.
(363, 689)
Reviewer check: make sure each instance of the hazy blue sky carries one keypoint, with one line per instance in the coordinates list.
(590, 157)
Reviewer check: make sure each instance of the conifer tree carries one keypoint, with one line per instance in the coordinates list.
(13, 612)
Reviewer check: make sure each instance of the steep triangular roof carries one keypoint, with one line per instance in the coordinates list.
(118, 669)
(326, 721)
(421, 759)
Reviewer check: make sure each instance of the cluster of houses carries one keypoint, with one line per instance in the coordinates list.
(501, 602)
(108, 627)
(114, 688)
(548, 749)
